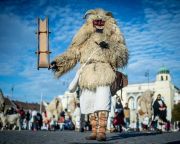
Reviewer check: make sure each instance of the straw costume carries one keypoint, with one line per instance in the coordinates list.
(100, 48)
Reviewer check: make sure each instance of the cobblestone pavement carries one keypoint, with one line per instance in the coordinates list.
(72, 137)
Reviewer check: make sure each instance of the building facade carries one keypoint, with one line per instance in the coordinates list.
(162, 85)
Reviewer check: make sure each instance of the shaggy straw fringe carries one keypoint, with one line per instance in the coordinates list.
(56, 106)
(145, 103)
(98, 71)
(92, 75)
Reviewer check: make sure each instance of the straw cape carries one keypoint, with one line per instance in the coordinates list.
(99, 70)
(145, 104)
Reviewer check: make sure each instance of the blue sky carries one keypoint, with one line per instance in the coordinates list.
(151, 29)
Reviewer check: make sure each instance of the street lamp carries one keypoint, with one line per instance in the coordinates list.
(147, 75)
(41, 103)
(12, 90)
(67, 102)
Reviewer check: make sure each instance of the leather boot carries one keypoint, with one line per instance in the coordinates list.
(102, 124)
(93, 122)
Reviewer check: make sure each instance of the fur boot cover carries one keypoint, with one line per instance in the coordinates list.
(102, 124)
(93, 120)
(101, 37)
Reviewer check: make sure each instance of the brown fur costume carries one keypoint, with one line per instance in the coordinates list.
(99, 70)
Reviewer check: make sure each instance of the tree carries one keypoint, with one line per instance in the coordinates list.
(176, 112)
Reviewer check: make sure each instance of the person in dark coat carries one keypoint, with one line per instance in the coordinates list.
(28, 117)
(118, 121)
(160, 109)
(22, 116)
(39, 121)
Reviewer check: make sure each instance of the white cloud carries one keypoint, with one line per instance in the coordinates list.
(153, 42)
(17, 39)
(19, 60)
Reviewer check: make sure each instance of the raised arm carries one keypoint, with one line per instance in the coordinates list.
(69, 59)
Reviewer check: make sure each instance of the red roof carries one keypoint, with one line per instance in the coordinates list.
(28, 106)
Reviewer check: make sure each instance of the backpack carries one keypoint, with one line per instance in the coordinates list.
(119, 82)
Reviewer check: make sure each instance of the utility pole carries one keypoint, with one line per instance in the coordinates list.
(41, 103)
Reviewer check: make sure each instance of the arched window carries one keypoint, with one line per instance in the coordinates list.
(162, 78)
(131, 103)
(137, 102)
(166, 77)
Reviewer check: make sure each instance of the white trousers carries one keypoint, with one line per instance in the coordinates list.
(92, 101)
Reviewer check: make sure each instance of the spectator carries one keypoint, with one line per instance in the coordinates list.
(137, 122)
(53, 123)
(118, 121)
(77, 115)
(168, 126)
(39, 121)
(160, 112)
(18, 109)
(62, 114)
(160, 109)
(27, 117)
(34, 120)
(84, 122)
(46, 121)
(66, 115)
(145, 123)
(22, 116)
(127, 115)
(133, 125)
(69, 124)
(61, 122)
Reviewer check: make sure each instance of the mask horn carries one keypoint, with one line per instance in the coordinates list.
(109, 14)
(88, 13)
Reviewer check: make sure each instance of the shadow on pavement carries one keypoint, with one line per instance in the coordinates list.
(131, 134)
(174, 142)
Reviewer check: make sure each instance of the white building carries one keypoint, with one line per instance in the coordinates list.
(68, 101)
(162, 85)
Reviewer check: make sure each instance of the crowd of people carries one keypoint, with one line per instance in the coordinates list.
(121, 118)
(29, 120)
(34, 120)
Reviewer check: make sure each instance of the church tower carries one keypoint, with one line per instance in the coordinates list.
(163, 74)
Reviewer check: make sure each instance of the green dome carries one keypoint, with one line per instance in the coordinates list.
(163, 70)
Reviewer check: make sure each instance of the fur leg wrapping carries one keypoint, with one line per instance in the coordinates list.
(102, 123)
(93, 120)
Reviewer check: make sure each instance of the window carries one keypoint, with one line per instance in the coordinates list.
(162, 78)
(166, 77)
(131, 103)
